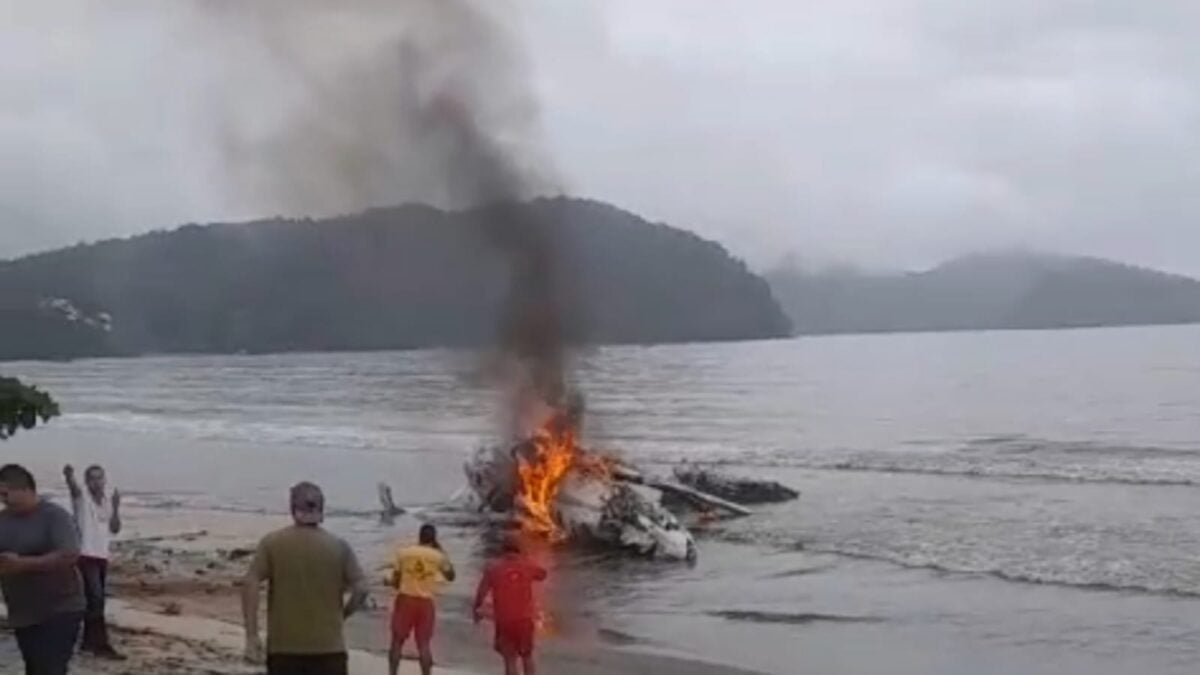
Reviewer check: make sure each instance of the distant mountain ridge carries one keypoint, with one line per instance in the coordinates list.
(1006, 290)
(404, 277)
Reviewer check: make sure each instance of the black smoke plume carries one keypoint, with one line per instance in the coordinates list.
(434, 103)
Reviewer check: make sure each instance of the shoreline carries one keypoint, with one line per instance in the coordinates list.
(175, 610)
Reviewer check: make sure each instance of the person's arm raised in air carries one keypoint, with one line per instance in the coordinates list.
(481, 594)
(64, 550)
(114, 523)
(72, 484)
(356, 583)
(260, 571)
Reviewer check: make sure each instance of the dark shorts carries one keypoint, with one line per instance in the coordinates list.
(413, 616)
(307, 664)
(47, 647)
(515, 638)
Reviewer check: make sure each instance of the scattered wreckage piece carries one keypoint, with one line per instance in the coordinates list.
(680, 497)
(734, 488)
(387, 505)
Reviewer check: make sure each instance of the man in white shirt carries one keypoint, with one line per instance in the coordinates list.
(98, 518)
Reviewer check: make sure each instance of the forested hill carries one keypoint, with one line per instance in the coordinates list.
(988, 291)
(403, 277)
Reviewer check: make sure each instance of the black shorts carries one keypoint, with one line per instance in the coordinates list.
(307, 664)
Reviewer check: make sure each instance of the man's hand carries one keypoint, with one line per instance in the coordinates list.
(114, 523)
(72, 484)
(10, 563)
(254, 649)
(478, 614)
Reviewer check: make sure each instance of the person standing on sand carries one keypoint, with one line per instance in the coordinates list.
(309, 573)
(98, 519)
(509, 581)
(39, 547)
(418, 574)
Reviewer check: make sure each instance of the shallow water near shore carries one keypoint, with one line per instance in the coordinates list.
(1014, 502)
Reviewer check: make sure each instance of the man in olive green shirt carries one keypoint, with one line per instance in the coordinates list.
(309, 573)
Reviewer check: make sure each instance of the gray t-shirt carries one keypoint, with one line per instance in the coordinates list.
(34, 597)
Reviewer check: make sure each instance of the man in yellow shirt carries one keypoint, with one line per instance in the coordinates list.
(418, 574)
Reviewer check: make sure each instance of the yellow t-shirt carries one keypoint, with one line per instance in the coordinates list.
(422, 570)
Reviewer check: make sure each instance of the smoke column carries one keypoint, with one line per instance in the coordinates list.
(425, 100)
(463, 57)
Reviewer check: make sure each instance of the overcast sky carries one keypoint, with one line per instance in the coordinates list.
(886, 133)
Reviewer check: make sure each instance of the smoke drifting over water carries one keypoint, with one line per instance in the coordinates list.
(425, 100)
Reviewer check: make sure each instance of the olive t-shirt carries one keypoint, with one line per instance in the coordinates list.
(308, 572)
(35, 597)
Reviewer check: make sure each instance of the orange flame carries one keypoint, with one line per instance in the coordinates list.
(543, 463)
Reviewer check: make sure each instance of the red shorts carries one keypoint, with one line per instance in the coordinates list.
(413, 616)
(515, 638)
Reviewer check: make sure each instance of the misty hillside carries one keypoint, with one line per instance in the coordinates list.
(41, 327)
(990, 291)
(404, 277)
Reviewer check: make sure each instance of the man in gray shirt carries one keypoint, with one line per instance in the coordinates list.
(39, 546)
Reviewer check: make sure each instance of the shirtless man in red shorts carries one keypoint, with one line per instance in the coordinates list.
(509, 581)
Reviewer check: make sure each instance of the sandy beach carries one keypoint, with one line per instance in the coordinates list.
(175, 610)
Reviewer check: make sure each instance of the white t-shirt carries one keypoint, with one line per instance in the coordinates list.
(93, 522)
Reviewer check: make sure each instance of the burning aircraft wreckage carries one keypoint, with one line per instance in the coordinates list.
(550, 486)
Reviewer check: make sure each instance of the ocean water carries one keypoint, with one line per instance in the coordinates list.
(1000, 502)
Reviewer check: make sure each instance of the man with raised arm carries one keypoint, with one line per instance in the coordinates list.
(98, 519)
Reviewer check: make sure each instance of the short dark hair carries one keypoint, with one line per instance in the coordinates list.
(94, 467)
(17, 476)
(306, 495)
(510, 545)
(428, 535)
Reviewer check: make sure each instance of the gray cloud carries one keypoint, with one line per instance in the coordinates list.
(884, 133)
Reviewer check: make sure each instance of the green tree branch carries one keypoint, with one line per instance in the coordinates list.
(23, 406)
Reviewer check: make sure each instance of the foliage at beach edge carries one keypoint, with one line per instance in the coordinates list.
(23, 406)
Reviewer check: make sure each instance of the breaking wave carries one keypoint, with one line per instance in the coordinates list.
(233, 430)
(1001, 458)
(1064, 476)
(1023, 577)
(1087, 579)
